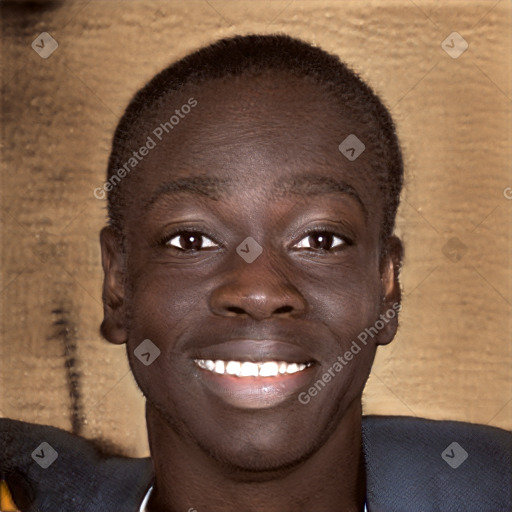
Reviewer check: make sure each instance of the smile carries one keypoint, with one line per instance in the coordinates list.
(251, 369)
(253, 374)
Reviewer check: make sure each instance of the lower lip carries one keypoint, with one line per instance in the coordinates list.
(256, 392)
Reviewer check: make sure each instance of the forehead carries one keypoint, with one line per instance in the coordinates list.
(271, 109)
(275, 131)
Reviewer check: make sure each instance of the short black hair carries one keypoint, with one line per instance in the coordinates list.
(254, 54)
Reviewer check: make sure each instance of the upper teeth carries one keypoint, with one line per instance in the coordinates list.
(248, 369)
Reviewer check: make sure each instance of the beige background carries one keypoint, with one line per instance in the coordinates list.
(452, 358)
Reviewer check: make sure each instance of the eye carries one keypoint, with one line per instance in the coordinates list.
(322, 240)
(189, 241)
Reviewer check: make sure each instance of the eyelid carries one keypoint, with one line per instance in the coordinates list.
(336, 231)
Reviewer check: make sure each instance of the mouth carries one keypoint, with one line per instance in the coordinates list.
(254, 374)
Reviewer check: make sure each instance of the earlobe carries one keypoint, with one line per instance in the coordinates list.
(112, 258)
(391, 292)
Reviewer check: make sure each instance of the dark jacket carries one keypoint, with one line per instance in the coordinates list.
(412, 465)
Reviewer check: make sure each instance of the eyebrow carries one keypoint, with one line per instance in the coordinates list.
(304, 185)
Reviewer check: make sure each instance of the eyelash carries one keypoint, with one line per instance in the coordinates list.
(165, 241)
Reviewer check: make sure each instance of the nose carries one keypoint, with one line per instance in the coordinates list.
(257, 290)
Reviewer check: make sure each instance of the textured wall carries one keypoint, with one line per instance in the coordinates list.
(453, 355)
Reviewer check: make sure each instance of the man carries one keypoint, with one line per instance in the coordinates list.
(252, 272)
(255, 164)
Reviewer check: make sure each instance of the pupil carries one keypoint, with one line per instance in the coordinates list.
(324, 241)
(191, 242)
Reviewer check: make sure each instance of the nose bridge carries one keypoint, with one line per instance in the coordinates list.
(258, 289)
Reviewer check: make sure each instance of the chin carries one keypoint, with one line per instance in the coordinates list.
(262, 441)
(263, 460)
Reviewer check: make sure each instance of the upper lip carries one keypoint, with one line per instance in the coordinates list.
(255, 351)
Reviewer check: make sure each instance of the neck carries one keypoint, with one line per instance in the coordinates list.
(186, 478)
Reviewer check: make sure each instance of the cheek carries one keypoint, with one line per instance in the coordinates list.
(349, 301)
(158, 302)
(158, 311)
(348, 305)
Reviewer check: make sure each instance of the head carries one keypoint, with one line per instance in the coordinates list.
(243, 233)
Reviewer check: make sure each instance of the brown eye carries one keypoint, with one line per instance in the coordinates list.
(190, 241)
(320, 240)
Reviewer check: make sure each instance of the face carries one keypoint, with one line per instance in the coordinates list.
(252, 263)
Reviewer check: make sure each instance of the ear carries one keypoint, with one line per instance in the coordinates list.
(112, 258)
(391, 293)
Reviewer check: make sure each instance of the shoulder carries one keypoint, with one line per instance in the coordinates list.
(411, 464)
(422, 464)
(49, 469)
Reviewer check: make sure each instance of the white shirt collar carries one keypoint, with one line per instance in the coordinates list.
(146, 499)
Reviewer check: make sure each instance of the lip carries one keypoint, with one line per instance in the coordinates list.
(254, 351)
(255, 392)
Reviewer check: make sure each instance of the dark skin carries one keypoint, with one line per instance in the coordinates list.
(311, 290)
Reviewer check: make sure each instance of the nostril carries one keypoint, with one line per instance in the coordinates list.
(284, 309)
(235, 309)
